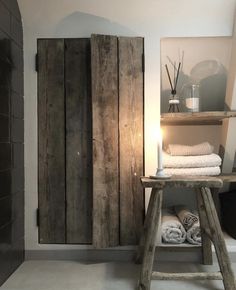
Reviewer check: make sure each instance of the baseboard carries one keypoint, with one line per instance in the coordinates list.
(192, 255)
(80, 255)
(109, 255)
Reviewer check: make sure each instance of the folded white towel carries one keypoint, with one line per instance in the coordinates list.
(210, 160)
(194, 234)
(172, 230)
(207, 171)
(184, 150)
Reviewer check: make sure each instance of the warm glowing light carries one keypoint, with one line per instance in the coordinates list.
(160, 134)
(157, 134)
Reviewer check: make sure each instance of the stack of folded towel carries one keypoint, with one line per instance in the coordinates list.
(191, 160)
(179, 224)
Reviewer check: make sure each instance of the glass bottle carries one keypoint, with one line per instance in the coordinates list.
(192, 98)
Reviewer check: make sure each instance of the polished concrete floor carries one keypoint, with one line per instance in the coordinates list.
(66, 275)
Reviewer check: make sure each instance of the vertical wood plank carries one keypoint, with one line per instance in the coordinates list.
(78, 141)
(206, 242)
(105, 141)
(150, 240)
(131, 114)
(139, 254)
(51, 139)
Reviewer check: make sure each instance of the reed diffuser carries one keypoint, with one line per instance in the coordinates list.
(173, 101)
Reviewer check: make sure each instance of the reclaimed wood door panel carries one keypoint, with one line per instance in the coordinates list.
(131, 112)
(80, 202)
(104, 65)
(78, 141)
(51, 141)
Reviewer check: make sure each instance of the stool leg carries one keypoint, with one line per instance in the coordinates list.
(218, 240)
(150, 240)
(206, 242)
(139, 255)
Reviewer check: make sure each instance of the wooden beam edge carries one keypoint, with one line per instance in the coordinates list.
(186, 276)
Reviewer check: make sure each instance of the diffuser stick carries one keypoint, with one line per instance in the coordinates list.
(177, 76)
(174, 72)
(167, 70)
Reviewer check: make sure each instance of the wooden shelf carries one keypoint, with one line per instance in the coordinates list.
(230, 243)
(231, 177)
(177, 246)
(201, 118)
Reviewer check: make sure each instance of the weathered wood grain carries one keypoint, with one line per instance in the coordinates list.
(183, 181)
(139, 254)
(228, 177)
(209, 222)
(78, 141)
(150, 240)
(206, 242)
(131, 114)
(218, 240)
(186, 276)
(196, 118)
(51, 141)
(105, 141)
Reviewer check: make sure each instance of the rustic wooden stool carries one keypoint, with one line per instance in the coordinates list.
(210, 227)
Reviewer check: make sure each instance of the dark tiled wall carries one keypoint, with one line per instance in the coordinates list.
(11, 139)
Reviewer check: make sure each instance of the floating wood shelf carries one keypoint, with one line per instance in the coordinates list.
(201, 118)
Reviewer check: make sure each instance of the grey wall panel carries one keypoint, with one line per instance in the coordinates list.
(11, 139)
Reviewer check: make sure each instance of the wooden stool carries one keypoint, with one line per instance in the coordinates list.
(210, 227)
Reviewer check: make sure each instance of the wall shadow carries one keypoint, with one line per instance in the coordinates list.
(79, 24)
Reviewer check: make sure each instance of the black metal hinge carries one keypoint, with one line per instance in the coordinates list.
(36, 62)
(143, 62)
(37, 217)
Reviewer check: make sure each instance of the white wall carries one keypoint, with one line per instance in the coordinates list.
(152, 19)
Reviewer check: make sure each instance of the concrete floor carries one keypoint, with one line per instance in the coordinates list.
(69, 275)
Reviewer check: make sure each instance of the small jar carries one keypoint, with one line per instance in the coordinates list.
(192, 98)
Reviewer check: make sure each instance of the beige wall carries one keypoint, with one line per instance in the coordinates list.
(204, 60)
(184, 135)
(152, 19)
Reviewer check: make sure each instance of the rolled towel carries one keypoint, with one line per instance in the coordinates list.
(183, 150)
(210, 160)
(186, 217)
(172, 230)
(194, 234)
(201, 171)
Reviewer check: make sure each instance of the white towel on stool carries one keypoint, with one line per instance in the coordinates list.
(200, 149)
(203, 171)
(194, 234)
(172, 230)
(211, 160)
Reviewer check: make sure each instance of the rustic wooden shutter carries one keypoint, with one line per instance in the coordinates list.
(131, 114)
(65, 141)
(78, 141)
(90, 149)
(51, 141)
(117, 96)
(105, 141)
